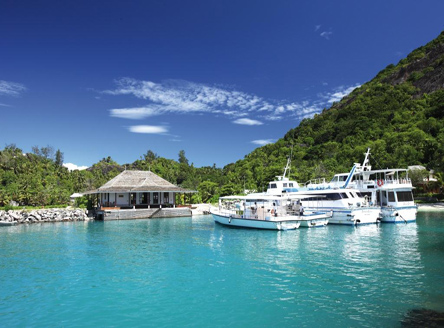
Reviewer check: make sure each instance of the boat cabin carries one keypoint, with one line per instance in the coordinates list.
(281, 184)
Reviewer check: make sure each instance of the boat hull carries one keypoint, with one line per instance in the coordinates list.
(398, 214)
(357, 216)
(239, 222)
(314, 220)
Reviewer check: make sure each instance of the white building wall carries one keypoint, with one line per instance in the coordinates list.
(123, 199)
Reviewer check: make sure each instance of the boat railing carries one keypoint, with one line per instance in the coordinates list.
(228, 211)
(402, 181)
(316, 183)
(381, 182)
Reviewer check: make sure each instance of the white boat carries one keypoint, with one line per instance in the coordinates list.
(266, 212)
(348, 206)
(391, 189)
(8, 223)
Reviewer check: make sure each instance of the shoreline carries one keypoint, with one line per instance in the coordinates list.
(431, 207)
(13, 217)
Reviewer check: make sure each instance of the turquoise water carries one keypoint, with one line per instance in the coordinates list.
(191, 272)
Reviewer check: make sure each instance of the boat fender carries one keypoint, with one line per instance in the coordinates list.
(229, 219)
(380, 183)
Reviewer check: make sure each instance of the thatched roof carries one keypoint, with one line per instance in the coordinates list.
(138, 181)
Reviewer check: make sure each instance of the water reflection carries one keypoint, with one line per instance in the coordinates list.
(337, 276)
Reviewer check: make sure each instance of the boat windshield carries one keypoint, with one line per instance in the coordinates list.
(405, 196)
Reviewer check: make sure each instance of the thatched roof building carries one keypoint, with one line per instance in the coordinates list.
(137, 188)
(140, 181)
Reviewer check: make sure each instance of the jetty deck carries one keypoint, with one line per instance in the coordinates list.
(147, 213)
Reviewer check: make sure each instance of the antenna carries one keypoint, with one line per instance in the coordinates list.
(366, 160)
(291, 156)
(287, 167)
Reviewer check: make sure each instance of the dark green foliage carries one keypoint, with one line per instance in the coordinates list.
(59, 158)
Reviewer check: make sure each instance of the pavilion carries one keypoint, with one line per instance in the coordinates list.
(137, 190)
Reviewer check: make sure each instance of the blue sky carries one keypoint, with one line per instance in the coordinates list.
(214, 78)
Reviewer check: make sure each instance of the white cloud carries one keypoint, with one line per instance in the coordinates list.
(326, 35)
(72, 167)
(232, 113)
(273, 117)
(135, 113)
(263, 142)
(11, 88)
(317, 27)
(340, 93)
(247, 121)
(148, 129)
(4, 105)
(182, 97)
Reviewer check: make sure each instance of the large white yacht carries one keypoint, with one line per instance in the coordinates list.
(348, 206)
(391, 189)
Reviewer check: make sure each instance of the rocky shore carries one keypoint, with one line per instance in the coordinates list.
(13, 217)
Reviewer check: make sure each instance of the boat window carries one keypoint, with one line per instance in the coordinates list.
(350, 195)
(391, 195)
(334, 196)
(314, 198)
(290, 184)
(344, 195)
(328, 196)
(272, 185)
(366, 194)
(405, 196)
(360, 194)
(343, 178)
(285, 185)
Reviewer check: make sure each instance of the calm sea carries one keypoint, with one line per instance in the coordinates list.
(191, 272)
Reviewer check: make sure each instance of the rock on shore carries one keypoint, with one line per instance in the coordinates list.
(44, 215)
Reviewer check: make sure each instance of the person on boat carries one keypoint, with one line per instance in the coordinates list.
(274, 210)
(301, 209)
(295, 207)
(255, 209)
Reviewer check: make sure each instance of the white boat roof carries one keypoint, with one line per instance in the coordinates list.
(266, 197)
(386, 171)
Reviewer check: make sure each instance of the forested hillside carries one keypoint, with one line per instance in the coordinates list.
(399, 115)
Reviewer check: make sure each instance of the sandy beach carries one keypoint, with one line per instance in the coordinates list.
(431, 207)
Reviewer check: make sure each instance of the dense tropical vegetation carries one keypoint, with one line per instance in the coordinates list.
(399, 115)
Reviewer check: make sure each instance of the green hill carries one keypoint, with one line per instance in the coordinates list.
(399, 114)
